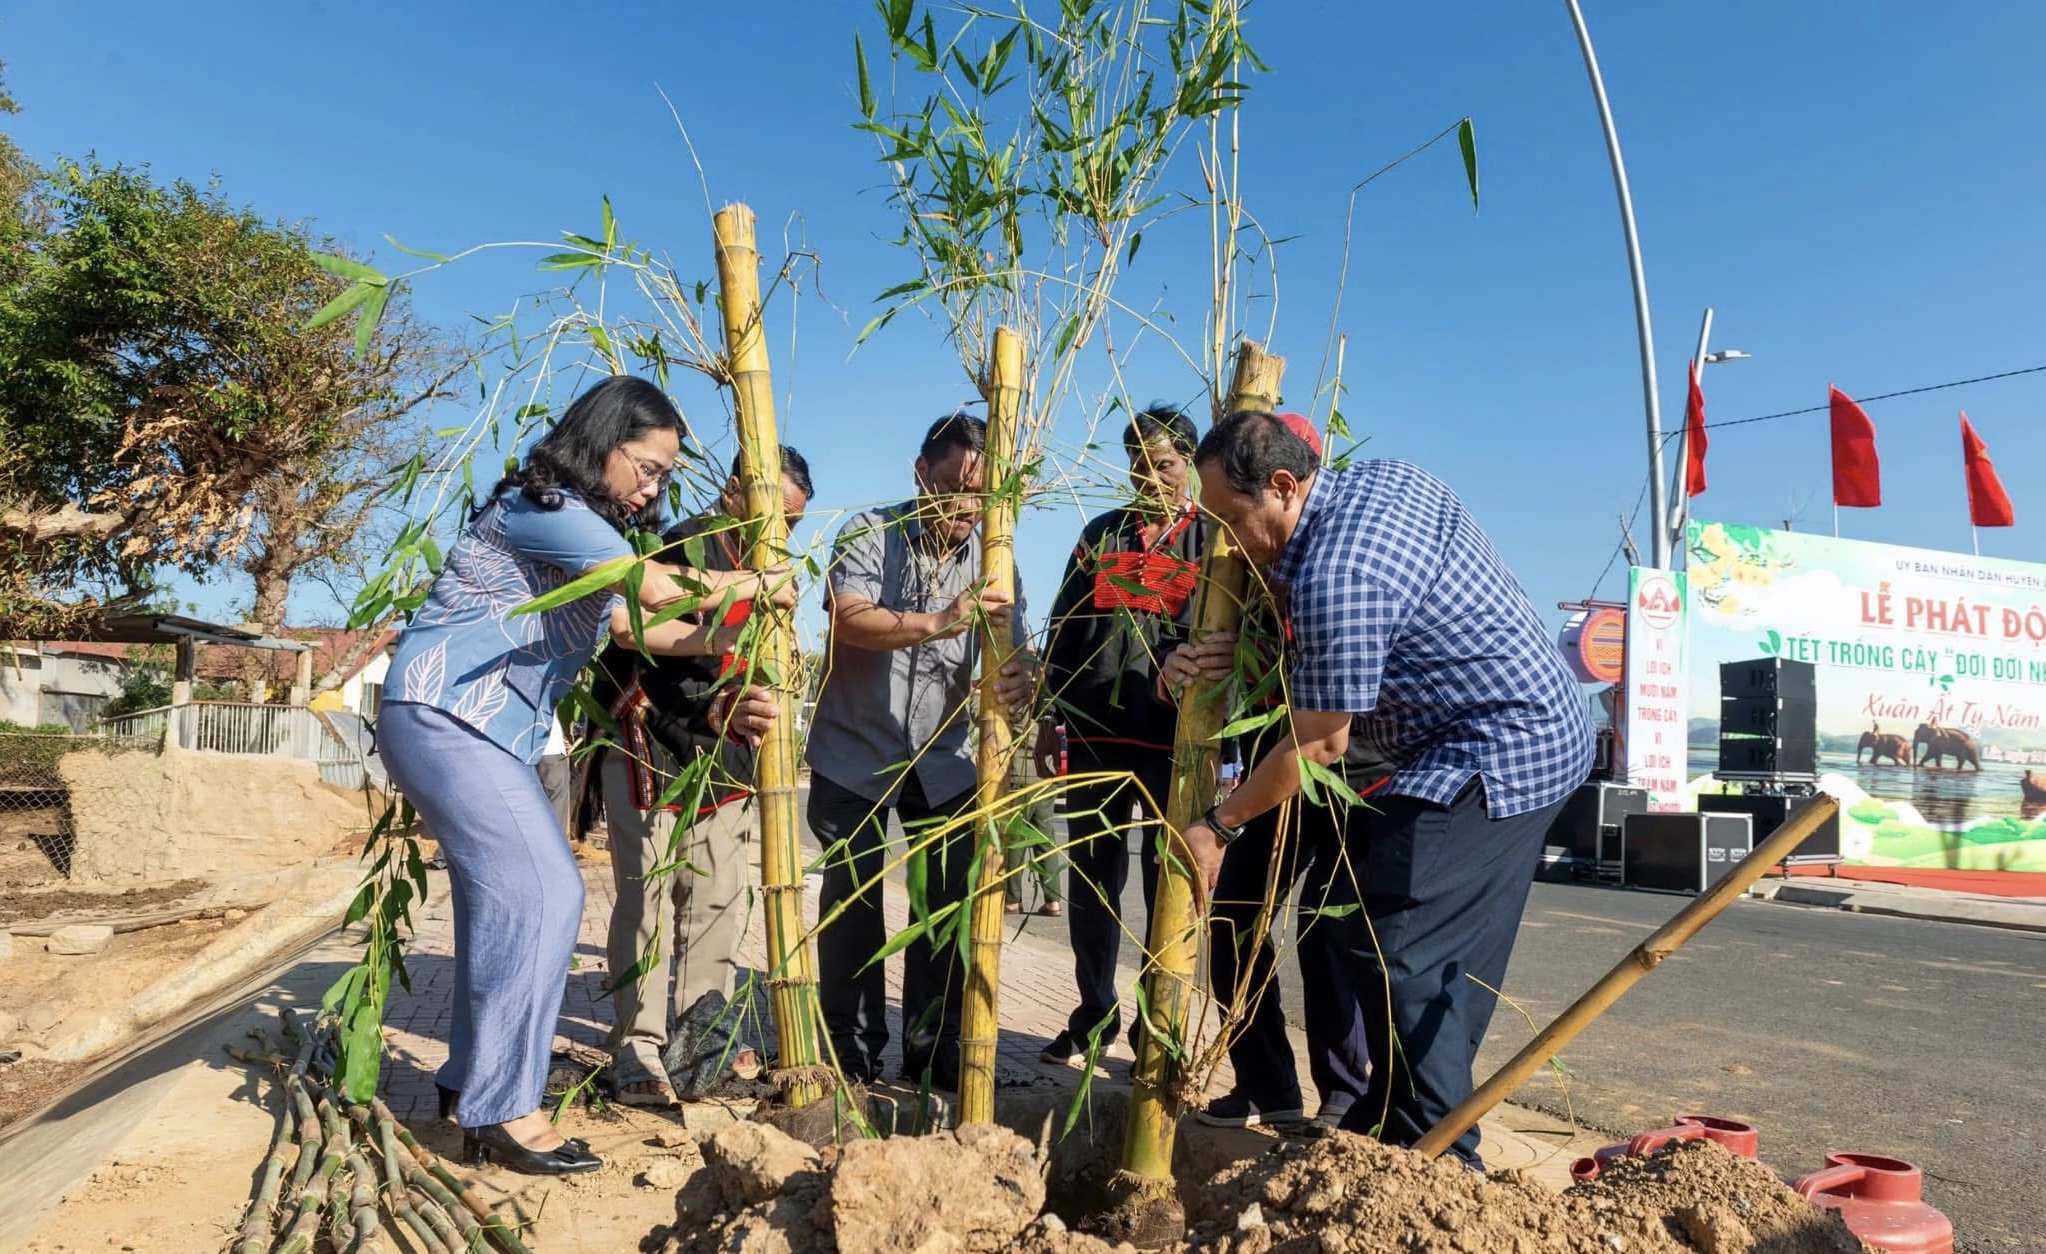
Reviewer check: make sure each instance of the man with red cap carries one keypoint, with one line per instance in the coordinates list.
(1410, 634)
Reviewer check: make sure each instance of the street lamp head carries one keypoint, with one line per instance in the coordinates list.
(1725, 354)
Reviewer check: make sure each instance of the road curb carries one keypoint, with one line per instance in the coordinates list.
(313, 909)
(2012, 916)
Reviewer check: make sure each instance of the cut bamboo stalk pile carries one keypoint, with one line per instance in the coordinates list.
(791, 975)
(1645, 957)
(978, 1022)
(356, 1169)
(1158, 1083)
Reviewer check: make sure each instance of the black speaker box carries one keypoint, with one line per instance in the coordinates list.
(1793, 718)
(1684, 853)
(1768, 677)
(1768, 755)
(1769, 812)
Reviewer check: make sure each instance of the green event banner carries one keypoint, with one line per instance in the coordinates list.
(1931, 677)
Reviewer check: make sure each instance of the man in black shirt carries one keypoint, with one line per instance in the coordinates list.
(677, 792)
(1125, 601)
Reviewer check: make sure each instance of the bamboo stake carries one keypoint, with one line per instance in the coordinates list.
(1157, 1085)
(1646, 956)
(979, 1027)
(791, 982)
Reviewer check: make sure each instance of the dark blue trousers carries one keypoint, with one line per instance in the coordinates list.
(1242, 957)
(1098, 827)
(1442, 890)
(852, 989)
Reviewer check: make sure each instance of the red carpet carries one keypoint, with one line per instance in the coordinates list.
(1992, 883)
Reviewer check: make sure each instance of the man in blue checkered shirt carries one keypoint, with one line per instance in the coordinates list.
(1409, 631)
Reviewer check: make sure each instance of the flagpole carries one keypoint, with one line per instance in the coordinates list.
(1836, 520)
(1680, 481)
(1658, 509)
(1975, 533)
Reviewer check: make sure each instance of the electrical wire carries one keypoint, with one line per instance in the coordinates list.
(1865, 400)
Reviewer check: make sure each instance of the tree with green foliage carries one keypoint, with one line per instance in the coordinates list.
(164, 405)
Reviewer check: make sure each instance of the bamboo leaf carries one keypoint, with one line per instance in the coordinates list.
(358, 910)
(569, 261)
(610, 227)
(340, 305)
(866, 83)
(362, 1048)
(1136, 242)
(602, 340)
(415, 252)
(592, 580)
(1250, 723)
(1467, 140)
(349, 268)
(366, 321)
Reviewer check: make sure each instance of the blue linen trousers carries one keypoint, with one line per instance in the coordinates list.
(518, 899)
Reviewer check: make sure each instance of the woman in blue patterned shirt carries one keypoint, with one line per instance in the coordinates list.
(466, 720)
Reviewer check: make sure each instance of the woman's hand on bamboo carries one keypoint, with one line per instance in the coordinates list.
(1213, 659)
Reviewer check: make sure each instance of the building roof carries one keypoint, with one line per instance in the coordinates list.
(224, 653)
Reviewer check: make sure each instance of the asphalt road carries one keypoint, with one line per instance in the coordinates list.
(1827, 1030)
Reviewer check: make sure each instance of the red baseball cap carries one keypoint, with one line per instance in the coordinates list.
(1300, 426)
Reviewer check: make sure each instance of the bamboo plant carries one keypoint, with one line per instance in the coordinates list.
(791, 981)
(978, 1017)
(1159, 1082)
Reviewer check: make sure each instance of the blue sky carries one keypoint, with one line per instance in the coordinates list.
(1849, 186)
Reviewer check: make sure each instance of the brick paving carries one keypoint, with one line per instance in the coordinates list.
(1037, 990)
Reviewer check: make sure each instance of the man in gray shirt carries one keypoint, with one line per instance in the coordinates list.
(903, 601)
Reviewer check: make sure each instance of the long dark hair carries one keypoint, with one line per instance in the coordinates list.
(572, 456)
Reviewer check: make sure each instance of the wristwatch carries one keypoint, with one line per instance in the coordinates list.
(1225, 835)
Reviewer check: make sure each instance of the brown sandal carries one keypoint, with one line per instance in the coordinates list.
(638, 1084)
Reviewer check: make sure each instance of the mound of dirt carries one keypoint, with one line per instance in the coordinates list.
(1721, 1203)
(981, 1191)
(976, 1191)
(1352, 1195)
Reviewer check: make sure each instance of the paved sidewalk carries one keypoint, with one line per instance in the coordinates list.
(1036, 996)
(2026, 914)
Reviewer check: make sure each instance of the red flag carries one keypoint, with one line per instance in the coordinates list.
(1694, 439)
(1857, 475)
(1988, 504)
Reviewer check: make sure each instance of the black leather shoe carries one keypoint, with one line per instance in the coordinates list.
(451, 1098)
(492, 1144)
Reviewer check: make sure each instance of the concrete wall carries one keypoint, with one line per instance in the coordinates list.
(144, 817)
(39, 687)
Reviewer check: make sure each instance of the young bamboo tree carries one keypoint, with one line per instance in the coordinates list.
(1158, 1082)
(979, 1017)
(790, 979)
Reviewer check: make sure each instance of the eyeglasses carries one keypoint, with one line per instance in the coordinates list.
(653, 474)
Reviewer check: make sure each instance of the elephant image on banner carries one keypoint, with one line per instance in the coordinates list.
(1879, 745)
(1933, 744)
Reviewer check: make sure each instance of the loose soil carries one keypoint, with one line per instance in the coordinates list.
(981, 1191)
(24, 905)
(43, 991)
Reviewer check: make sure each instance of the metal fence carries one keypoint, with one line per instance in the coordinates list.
(285, 731)
(37, 837)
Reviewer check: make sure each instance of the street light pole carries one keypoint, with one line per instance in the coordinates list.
(1659, 530)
